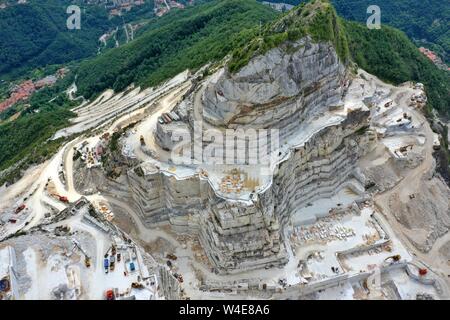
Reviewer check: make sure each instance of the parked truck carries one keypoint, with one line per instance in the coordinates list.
(63, 199)
(20, 208)
(106, 265)
(112, 262)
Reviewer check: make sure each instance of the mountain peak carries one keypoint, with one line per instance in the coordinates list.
(317, 19)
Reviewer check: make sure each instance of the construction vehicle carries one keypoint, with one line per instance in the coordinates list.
(112, 262)
(20, 208)
(423, 272)
(405, 148)
(394, 258)
(87, 262)
(136, 285)
(171, 256)
(110, 295)
(63, 199)
(106, 265)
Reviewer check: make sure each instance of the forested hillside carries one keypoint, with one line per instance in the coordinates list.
(35, 34)
(427, 22)
(179, 40)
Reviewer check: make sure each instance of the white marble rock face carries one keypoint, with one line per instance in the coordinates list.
(284, 89)
(284, 83)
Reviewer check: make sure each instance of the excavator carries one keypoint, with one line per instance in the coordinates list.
(87, 261)
(405, 148)
(395, 258)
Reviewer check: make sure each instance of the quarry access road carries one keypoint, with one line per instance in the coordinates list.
(409, 185)
(73, 195)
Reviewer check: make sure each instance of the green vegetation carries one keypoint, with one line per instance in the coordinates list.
(426, 22)
(390, 55)
(35, 34)
(25, 141)
(181, 39)
(316, 18)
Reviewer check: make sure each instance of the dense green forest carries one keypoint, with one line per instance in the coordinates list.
(427, 22)
(35, 34)
(180, 40)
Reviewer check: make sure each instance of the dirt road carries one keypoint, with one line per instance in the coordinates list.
(411, 184)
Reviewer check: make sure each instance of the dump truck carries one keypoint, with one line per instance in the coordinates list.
(87, 262)
(63, 199)
(106, 265)
(20, 208)
(112, 262)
